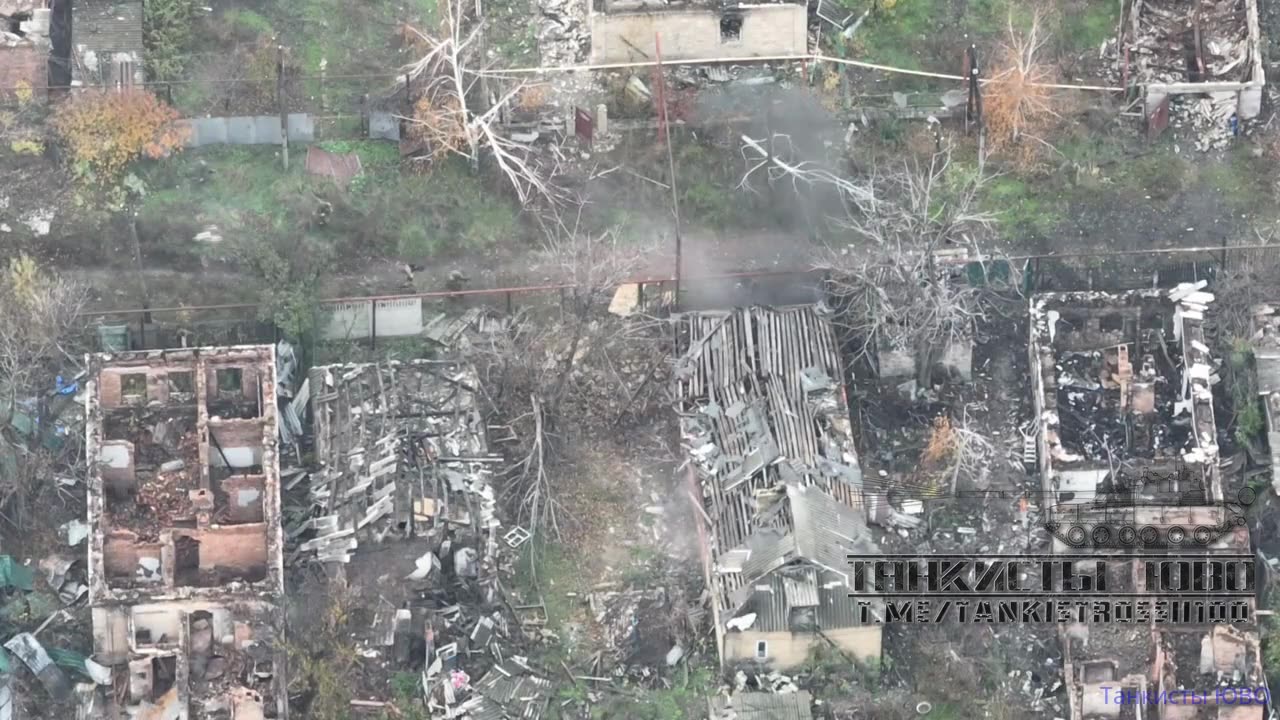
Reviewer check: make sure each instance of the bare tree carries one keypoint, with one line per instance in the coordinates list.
(895, 288)
(40, 326)
(1020, 104)
(531, 368)
(1244, 285)
(447, 117)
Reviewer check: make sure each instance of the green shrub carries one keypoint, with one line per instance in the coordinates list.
(710, 203)
(166, 34)
(415, 241)
(490, 223)
(247, 23)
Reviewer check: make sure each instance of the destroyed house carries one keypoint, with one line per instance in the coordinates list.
(402, 449)
(624, 30)
(185, 565)
(1102, 659)
(765, 422)
(1124, 382)
(1124, 407)
(1201, 47)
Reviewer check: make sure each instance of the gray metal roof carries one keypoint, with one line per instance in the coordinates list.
(762, 706)
(510, 690)
(103, 26)
(774, 610)
(765, 420)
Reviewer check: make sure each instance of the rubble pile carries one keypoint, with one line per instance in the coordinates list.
(1163, 50)
(1209, 116)
(402, 449)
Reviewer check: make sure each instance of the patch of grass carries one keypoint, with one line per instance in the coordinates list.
(889, 34)
(244, 191)
(709, 202)
(1160, 174)
(1242, 180)
(223, 184)
(1019, 210)
(376, 156)
(547, 571)
(247, 23)
(1085, 148)
(1086, 28)
(987, 17)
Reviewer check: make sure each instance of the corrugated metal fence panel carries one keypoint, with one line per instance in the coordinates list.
(249, 130)
(349, 321)
(397, 318)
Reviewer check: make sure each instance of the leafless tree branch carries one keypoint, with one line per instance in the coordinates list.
(445, 117)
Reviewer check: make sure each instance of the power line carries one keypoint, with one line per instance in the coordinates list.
(749, 275)
(592, 67)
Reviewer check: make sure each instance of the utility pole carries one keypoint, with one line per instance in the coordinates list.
(284, 112)
(665, 133)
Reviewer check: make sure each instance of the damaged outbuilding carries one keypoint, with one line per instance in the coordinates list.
(185, 551)
(1210, 48)
(766, 426)
(1124, 406)
(1129, 461)
(401, 449)
(624, 30)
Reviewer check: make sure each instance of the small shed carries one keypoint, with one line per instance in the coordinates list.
(106, 43)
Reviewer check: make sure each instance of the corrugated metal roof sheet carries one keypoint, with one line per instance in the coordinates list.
(511, 691)
(103, 26)
(826, 531)
(832, 608)
(801, 590)
(762, 706)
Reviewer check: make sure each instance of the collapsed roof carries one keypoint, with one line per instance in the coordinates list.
(764, 419)
(402, 447)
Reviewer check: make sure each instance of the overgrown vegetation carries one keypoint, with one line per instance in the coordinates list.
(166, 34)
(1250, 422)
(322, 655)
(289, 271)
(41, 332)
(685, 699)
(105, 131)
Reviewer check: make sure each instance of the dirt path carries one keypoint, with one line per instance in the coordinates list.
(706, 251)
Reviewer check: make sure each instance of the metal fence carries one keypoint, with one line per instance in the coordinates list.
(370, 319)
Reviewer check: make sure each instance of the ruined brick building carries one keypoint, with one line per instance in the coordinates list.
(185, 558)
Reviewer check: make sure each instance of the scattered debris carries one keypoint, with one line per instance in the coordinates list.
(789, 497)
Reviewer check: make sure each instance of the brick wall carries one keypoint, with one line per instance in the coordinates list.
(245, 496)
(111, 390)
(242, 549)
(121, 551)
(766, 31)
(23, 65)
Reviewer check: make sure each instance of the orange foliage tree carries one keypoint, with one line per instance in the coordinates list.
(105, 131)
(1020, 105)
